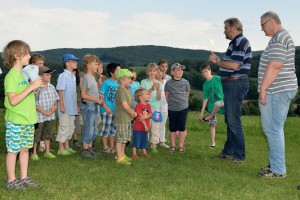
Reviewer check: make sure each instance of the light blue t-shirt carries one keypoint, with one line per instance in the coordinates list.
(155, 104)
(67, 83)
(108, 89)
(134, 87)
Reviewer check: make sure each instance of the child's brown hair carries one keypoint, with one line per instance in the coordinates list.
(13, 49)
(204, 66)
(35, 57)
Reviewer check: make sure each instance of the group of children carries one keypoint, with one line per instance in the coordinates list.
(128, 109)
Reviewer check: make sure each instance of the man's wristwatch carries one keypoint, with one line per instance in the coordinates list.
(217, 60)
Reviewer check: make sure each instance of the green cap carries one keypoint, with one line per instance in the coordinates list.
(123, 73)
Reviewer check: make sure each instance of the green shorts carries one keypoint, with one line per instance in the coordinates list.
(18, 136)
(123, 132)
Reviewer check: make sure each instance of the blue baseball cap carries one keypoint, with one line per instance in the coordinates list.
(69, 57)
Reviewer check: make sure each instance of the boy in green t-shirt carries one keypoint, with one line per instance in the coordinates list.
(124, 114)
(20, 115)
(212, 98)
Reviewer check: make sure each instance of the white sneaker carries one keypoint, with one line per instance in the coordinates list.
(164, 145)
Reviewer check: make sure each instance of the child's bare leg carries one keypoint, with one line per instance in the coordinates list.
(134, 151)
(34, 148)
(11, 166)
(182, 135)
(104, 143)
(119, 150)
(173, 138)
(67, 144)
(75, 136)
(85, 145)
(47, 146)
(90, 145)
(144, 151)
(23, 159)
(123, 148)
(212, 136)
(61, 146)
(111, 142)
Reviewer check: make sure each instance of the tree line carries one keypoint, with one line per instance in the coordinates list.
(140, 56)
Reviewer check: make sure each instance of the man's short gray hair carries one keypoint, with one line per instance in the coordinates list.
(271, 15)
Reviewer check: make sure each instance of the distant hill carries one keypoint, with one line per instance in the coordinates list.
(132, 55)
(128, 55)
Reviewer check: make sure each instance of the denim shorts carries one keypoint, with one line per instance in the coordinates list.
(140, 139)
(89, 112)
(18, 136)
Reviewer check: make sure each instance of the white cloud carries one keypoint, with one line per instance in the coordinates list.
(66, 28)
(53, 28)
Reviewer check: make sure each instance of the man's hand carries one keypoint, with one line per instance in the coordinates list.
(262, 97)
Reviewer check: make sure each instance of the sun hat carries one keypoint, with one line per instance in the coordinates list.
(30, 73)
(123, 73)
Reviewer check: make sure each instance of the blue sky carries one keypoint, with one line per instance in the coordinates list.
(191, 24)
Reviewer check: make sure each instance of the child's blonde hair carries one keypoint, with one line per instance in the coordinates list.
(88, 58)
(151, 66)
(138, 93)
(12, 49)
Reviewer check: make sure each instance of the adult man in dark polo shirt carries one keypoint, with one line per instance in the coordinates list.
(233, 71)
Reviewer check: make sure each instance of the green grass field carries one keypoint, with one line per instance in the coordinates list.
(192, 175)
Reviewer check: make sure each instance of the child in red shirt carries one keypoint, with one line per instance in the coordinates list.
(142, 122)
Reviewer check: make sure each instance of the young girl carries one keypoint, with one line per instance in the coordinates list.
(154, 90)
(163, 109)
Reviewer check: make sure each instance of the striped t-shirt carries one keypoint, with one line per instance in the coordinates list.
(281, 48)
(239, 51)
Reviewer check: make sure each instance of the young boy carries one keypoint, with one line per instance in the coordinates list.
(46, 105)
(38, 60)
(89, 105)
(108, 91)
(20, 115)
(177, 91)
(212, 99)
(124, 114)
(142, 123)
(67, 106)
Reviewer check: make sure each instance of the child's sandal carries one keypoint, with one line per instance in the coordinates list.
(181, 149)
(107, 150)
(172, 149)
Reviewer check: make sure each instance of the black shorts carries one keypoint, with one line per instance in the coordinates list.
(177, 120)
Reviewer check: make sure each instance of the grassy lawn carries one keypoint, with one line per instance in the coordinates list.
(192, 175)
